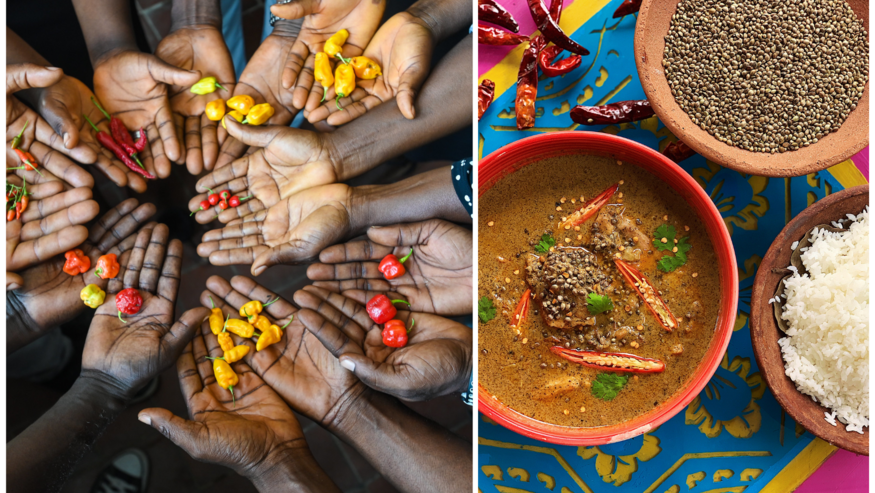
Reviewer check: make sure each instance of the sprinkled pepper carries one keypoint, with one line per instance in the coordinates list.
(391, 267)
(365, 68)
(527, 84)
(240, 327)
(77, 262)
(259, 114)
(493, 36)
(322, 72)
(395, 333)
(235, 115)
(619, 112)
(550, 69)
(627, 7)
(678, 151)
(206, 85)
(107, 266)
(486, 94)
(381, 309)
(344, 82)
(242, 103)
(550, 28)
(618, 362)
(215, 110)
(92, 295)
(489, 11)
(128, 301)
(334, 45)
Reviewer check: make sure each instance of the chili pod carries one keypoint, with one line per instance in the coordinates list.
(486, 92)
(225, 341)
(395, 333)
(522, 309)
(204, 205)
(490, 11)
(365, 68)
(556, 10)
(259, 114)
(108, 142)
(215, 110)
(678, 151)
(648, 293)
(562, 67)
(217, 321)
(618, 362)
(619, 112)
(627, 7)
(334, 44)
(77, 262)
(550, 28)
(235, 115)
(272, 335)
(344, 82)
(16, 141)
(128, 301)
(225, 376)
(236, 353)
(140, 144)
(240, 327)
(107, 266)
(206, 85)
(92, 295)
(527, 84)
(591, 207)
(391, 267)
(496, 37)
(242, 103)
(381, 309)
(322, 72)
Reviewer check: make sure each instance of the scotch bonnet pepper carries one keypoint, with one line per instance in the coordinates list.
(381, 309)
(235, 115)
(92, 295)
(215, 110)
(77, 262)
(259, 114)
(206, 85)
(334, 45)
(128, 301)
(240, 327)
(107, 266)
(395, 333)
(242, 103)
(391, 267)
(322, 72)
(365, 68)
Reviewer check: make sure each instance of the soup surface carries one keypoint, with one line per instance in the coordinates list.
(570, 282)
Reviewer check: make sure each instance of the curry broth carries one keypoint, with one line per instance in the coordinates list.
(519, 369)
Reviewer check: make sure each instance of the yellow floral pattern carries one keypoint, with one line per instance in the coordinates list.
(618, 469)
(732, 387)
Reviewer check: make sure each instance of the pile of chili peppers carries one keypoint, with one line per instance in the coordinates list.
(223, 199)
(243, 109)
(28, 162)
(120, 143)
(347, 70)
(17, 199)
(382, 311)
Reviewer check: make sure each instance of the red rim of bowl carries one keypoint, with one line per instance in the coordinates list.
(521, 153)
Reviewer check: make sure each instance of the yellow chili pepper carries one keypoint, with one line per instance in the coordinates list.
(217, 321)
(259, 114)
(334, 45)
(365, 68)
(272, 335)
(225, 341)
(225, 376)
(322, 72)
(261, 323)
(236, 353)
(235, 115)
(251, 309)
(92, 295)
(242, 103)
(215, 109)
(240, 327)
(344, 82)
(206, 86)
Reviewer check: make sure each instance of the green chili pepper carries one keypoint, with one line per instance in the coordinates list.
(16, 141)
(206, 85)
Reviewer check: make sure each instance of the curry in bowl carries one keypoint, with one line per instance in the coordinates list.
(599, 291)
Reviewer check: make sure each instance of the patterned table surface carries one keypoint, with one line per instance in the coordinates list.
(734, 437)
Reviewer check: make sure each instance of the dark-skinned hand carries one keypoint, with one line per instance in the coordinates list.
(402, 47)
(48, 296)
(38, 138)
(133, 86)
(201, 48)
(285, 161)
(438, 277)
(128, 354)
(435, 361)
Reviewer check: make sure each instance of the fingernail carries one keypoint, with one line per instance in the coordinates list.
(375, 227)
(348, 364)
(258, 271)
(53, 68)
(144, 418)
(66, 139)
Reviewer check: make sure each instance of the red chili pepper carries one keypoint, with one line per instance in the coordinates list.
(527, 84)
(627, 7)
(678, 151)
(120, 133)
(619, 112)
(18, 210)
(619, 362)
(140, 144)
(648, 293)
(591, 207)
(522, 309)
(204, 206)
(395, 333)
(550, 69)
(490, 11)
(76, 262)
(487, 93)
(391, 267)
(213, 198)
(381, 309)
(116, 149)
(223, 204)
(550, 28)
(22, 204)
(496, 37)
(234, 201)
(225, 194)
(27, 160)
(128, 301)
(10, 215)
(556, 10)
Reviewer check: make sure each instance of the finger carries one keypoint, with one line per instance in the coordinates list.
(159, 159)
(316, 300)
(231, 150)
(182, 332)
(190, 382)
(246, 208)
(36, 251)
(304, 82)
(200, 353)
(179, 127)
(364, 295)
(280, 310)
(135, 260)
(404, 98)
(41, 191)
(168, 283)
(295, 9)
(345, 306)
(334, 340)
(168, 74)
(13, 281)
(119, 223)
(194, 156)
(209, 142)
(218, 178)
(355, 251)
(318, 230)
(351, 270)
(22, 76)
(60, 201)
(353, 109)
(48, 135)
(123, 253)
(58, 116)
(167, 131)
(79, 213)
(182, 432)
(257, 136)
(295, 61)
(60, 166)
(350, 284)
(154, 260)
(117, 173)
(378, 376)
(331, 103)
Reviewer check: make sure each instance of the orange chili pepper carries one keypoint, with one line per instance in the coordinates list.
(107, 266)
(77, 262)
(215, 110)
(365, 68)
(322, 72)
(344, 82)
(242, 103)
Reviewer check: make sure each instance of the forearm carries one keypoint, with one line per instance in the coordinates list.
(443, 17)
(295, 471)
(413, 453)
(106, 25)
(42, 457)
(21, 329)
(443, 106)
(18, 51)
(185, 13)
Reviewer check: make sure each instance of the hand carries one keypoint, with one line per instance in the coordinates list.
(402, 47)
(128, 354)
(51, 224)
(254, 436)
(436, 360)
(285, 161)
(38, 137)
(63, 104)
(292, 231)
(201, 48)
(48, 296)
(133, 87)
(439, 273)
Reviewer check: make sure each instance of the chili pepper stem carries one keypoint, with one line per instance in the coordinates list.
(220, 86)
(137, 160)
(100, 108)
(92, 123)
(256, 334)
(346, 61)
(337, 101)
(271, 302)
(233, 397)
(246, 197)
(404, 258)
(212, 305)
(412, 323)
(400, 301)
(120, 317)
(324, 94)
(287, 323)
(225, 325)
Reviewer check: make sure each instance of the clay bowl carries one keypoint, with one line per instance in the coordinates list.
(654, 19)
(764, 332)
(521, 153)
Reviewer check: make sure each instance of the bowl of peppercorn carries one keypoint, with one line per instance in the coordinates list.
(761, 87)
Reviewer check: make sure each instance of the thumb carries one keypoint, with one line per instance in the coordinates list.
(162, 71)
(28, 75)
(58, 116)
(295, 9)
(184, 329)
(373, 375)
(405, 99)
(13, 281)
(182, 432)
(409, 234)
(252, 135)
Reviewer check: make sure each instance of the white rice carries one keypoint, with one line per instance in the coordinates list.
(826, 351)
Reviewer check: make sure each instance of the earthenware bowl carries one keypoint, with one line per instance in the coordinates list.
(764, 331)
(521, 153)
(653, 22)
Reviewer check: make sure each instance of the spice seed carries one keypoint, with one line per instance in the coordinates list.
(490, 223)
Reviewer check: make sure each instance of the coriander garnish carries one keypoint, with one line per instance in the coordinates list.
(607, 385)
(485, 309)
(664, 241)
(598, 303)
(547, 242)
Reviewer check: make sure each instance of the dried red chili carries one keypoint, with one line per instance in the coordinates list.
(678, 151)
(550, 69)
(627, 7)
(591, 206)
(550, 28)
(522, 309)
(141, 142)
(490, 11)
(108, 142)
(619, 362)
(556, 10)
(120, 134)
(527, 84)
(486, 91)
(619, 112)
(648, 294)
(496, 37)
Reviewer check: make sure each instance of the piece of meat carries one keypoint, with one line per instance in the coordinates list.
(613, 233)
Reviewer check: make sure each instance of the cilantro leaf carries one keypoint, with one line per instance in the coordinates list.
(598, 303)
(607, 385)
(547, 242)
(667, 232)
(669, 263)
(485, 309)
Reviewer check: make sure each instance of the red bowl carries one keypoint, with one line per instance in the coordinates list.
(521, 153)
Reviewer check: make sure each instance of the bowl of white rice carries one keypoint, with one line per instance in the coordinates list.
(809, 320)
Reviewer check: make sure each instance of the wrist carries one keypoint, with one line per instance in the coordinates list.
(422, 14)
(291, 468)
(104, 56)
(197, 14)
(287, 28)
(100, 390)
